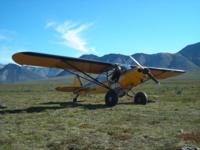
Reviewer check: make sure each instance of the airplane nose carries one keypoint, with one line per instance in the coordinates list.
(145, 71)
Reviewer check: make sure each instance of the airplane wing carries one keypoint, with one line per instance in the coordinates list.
(54, 61)
(163, 73)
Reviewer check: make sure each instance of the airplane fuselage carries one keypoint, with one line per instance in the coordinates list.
(128, 79)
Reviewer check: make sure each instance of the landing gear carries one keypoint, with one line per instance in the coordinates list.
(75, 99)
(141, 98)
(111, 98)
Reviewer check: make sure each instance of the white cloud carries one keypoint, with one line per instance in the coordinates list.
(70, 34)
(50, 24)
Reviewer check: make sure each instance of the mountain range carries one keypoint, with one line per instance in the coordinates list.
(187, 59)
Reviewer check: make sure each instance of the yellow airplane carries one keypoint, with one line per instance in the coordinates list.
(116, 80)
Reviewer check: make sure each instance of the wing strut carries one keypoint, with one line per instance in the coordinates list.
(92, 79)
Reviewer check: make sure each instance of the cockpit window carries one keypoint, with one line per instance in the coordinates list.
(102, 77)
(125, 67)
(132, 67)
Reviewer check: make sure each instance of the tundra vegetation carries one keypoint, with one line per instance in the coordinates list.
(35, 116)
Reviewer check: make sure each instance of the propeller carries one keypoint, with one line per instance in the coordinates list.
(145, 71)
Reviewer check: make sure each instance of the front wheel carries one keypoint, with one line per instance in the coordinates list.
(141, 98)
(111, 98)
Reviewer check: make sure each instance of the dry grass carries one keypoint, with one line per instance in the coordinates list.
(34, 116)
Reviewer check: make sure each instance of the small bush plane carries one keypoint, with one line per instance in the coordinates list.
(115, 80)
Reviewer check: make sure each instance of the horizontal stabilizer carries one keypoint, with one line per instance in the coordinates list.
(69, 89)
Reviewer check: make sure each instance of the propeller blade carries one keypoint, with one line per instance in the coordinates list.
(136, 61)
(146, 71)
(153, 78)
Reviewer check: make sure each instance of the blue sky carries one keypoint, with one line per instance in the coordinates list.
(76, 27)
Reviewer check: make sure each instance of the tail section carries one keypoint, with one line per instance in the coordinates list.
(76, 86)
(68, 88)
(77, 82)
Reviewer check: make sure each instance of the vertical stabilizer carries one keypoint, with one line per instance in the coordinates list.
(77, 81)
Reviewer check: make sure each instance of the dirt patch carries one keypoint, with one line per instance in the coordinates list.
(84, 125)
(190, 136)
(122, 136)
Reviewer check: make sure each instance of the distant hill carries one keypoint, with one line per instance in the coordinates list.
(43, 71)
(166, 60)
(192, 52)
(187, 59)
(114, 58)
(63, 73)
(1, 66)
(12, 73)
(91, 56)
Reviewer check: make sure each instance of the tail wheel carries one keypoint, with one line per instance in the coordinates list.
(111, 98)
(141, 98)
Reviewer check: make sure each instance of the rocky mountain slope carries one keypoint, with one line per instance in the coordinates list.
(187, 59)
(1, 66)
(12, 73)
(192, 53)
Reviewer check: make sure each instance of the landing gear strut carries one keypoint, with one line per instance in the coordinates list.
(75, 99)
(111, 98)
(141, 98)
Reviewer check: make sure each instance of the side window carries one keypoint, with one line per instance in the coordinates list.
(109, 74)
(102, 77)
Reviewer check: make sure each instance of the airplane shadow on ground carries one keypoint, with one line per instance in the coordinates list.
(52, 106)
(60, 105)
(2, 107)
